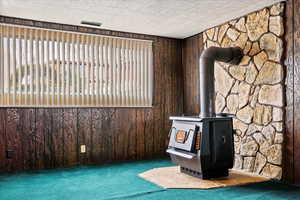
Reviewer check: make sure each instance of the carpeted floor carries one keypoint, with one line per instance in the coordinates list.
(121, 181)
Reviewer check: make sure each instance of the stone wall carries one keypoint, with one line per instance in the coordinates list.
(253, 90)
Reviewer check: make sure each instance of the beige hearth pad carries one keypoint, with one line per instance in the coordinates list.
(171, 178)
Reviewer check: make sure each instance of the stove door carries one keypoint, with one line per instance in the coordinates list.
(183, 135)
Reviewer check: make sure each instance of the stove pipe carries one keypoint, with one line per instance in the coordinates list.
(232, 55)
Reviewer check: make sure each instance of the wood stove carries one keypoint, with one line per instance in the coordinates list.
(203, 145)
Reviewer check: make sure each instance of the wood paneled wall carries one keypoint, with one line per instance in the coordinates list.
(192, 48)
(47, 137)
(291, 158)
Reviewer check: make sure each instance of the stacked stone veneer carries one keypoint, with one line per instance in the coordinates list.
(253, 90)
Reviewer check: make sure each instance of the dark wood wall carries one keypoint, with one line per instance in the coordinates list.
(291, 171)
(191, 51)
(47, 138)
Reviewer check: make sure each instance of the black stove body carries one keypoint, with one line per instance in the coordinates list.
(203, 145)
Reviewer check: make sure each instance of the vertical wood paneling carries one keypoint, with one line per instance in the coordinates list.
(288, 152)
(70, 137)
(110, 134)
(2, 140)
(13, 140)
(297, 91)
(132, 134)
(40, 138)
(28, 137)
(84, 135)
(97, 133)
(140, 130)
(121, 139)
(291, 158)
(49, 156)
(150, 136)
(57, 137)
(159, 71)
(1, 65)
(191, 51)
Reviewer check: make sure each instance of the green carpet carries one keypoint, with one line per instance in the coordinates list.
(120, 181)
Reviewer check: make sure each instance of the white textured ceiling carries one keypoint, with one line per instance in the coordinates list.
(170, 18)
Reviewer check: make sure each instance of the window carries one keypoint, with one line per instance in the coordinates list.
(46, 68)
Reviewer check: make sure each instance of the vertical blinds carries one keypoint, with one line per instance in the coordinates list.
(46, 68)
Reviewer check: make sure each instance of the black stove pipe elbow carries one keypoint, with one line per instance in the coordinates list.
(232, 55)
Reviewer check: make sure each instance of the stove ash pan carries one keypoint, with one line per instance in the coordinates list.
(202, 147)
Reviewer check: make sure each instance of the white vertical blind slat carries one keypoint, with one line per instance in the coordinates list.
(131, 78)
(138, 72)
(126, 66)
(145, 75)
(88, 65)
(113, 69)
(110, 68)
(31, 73)
(97, 70)
(25, 54)
(53, 66)
(14, 62)
(42, 83)
(122, 74)
(106, 71)
(78, 69)
(134, 71)
(83, 69)
(73, 69)
(100, 57)
(47, 69)
(58, 69)
(36, 67)
(151, 79)
(140, 75)
(63, 69)
(68, 76)
(7, 88)
(118, 73)
(92, 70)
(20, 66)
